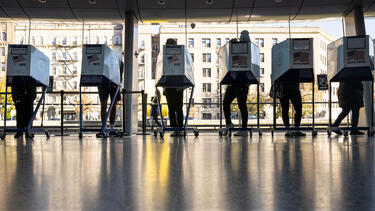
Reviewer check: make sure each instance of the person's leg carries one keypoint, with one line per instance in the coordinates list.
(242, 99)
(344, 112)
(284, 101)
(229, 96)
(297, 104)
(112, 115)
(355, 116)
(170, 95)
(178, 108)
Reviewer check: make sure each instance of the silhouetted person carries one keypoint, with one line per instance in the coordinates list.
(154, 111)
(291, 91)
(350, 95)
(23, 94)
(240, 92)
(175, 102)
(104, 92)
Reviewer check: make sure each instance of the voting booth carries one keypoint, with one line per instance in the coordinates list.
(100, 67)
(174, 67)
(352, 58)
(239, 62)
(293, 61)
(27, 65)
(175, 70)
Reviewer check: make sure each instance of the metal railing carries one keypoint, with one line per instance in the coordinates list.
(143, 110)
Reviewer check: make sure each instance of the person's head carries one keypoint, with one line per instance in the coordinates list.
(245, 36)
(233, 40)
(171, 41)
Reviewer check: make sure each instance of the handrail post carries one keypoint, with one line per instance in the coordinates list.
(144, 111)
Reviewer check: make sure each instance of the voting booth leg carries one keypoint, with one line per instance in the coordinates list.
(113, 100)
(314, 132)
(80, 111)
(196, 133)
(274, 112)
(258, 109)
(161, 118)
(5, 111)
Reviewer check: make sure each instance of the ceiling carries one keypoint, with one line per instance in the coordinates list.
(174, 10)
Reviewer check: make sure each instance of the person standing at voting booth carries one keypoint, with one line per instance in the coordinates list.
(23, 94)
(350, 96)
(174, 98)
(239, 91)
(104, 92)
(290, 90)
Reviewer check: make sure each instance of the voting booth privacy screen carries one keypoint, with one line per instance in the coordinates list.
(100, 65)
(27, 62)
(240, 63)
(351, 58)
(292, 60)
(174, 67)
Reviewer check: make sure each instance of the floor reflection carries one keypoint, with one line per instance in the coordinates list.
(207, 173)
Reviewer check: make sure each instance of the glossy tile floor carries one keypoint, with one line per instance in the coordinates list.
(204, 173)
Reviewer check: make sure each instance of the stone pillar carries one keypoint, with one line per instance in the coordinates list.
(130, 74)
(354, 25)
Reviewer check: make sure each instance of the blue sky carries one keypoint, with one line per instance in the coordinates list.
(332, 27)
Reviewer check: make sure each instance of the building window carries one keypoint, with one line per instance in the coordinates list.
(64, 84)
(75, 55)
(142, 59)
(54, 55)
(261, 71)
(64, 55)
(117, 40)
(64, 70)
(206, 57)
(155, 47)
(207, 72)
(74, 84)
(192, 57)
(105, 39)
(74, 70)
(64, 41)
(97, 40)
(54, 41)
(54, 70)
(142, 44)
(261, 87)
(206, 42)
(191, 42)
(206, 102)
(41, 40)
(4, 36)
(2, 66)
(274, 41)
(85, 40)
(218, 42)
(227, 40)
(206, 87)
(75, 40)
(2, 51)
(206, 116)
(261, 56)
(33, 40)
(260, 42)
(21, 41)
